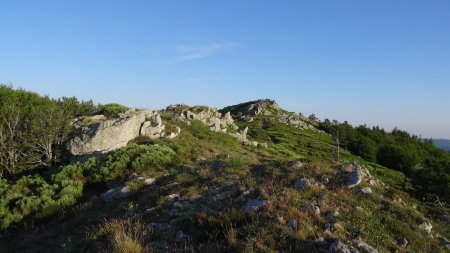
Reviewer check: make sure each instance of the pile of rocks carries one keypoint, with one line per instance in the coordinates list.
(215, 121)
(213, 118)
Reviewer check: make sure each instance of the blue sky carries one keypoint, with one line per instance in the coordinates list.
(383, 63)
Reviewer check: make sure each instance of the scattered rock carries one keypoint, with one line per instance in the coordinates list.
(160, 226)
(311, 209)
(302, 183)
(175, 134)
(357, 175)
(116, 193)
(181, 236)
(426, 226)
(338, 225)
(355, 179)
(254, 205)
(402, 242)
(366, 190)
(332, 215)
(445, 218)
(264, 145)
(149, 181)
(292, 226)
(339, 247)
(364, 247)
(173, 196)
(151, 210)
(295, 165)
(444, 242)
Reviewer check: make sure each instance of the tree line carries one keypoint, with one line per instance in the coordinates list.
(426, 165)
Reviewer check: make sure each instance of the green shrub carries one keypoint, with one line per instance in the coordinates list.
(112, 110)
(33, 195)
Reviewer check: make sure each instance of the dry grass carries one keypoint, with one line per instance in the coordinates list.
(125, 236)
(231, 234)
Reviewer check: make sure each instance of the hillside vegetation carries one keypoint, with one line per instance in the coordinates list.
(267, 181)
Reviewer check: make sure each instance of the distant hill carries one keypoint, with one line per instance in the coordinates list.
(442, 143)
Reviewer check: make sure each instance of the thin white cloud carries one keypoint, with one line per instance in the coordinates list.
(189, 52)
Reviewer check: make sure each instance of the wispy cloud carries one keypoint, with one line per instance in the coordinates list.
(190, 52)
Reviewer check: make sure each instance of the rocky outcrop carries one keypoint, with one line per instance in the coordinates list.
(246, 111)
(213, 118)
(97, 134)
(216, 121)
(257, 107)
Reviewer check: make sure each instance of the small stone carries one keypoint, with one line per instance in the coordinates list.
(150, 210)
(444, 242)
(311, 209)
(173, 196)
(366, 190)
(331, 215)
(338, 225)
(160, 226)
(149, 181)
(445, 218)
(116, 193)
(181, 236)
(364, 247)
(402, 242)
(426, 226)
(296, 165)
(292, 226)
(301, 183)
(254, 205)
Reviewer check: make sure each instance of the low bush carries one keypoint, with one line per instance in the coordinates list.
(40, 197)
(112, 110)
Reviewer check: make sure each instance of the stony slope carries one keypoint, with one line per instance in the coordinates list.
(247, 178)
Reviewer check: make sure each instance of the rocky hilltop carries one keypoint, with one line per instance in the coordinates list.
(267, 107)
(250, 177)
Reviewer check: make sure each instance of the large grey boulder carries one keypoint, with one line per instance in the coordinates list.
(97, 134)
